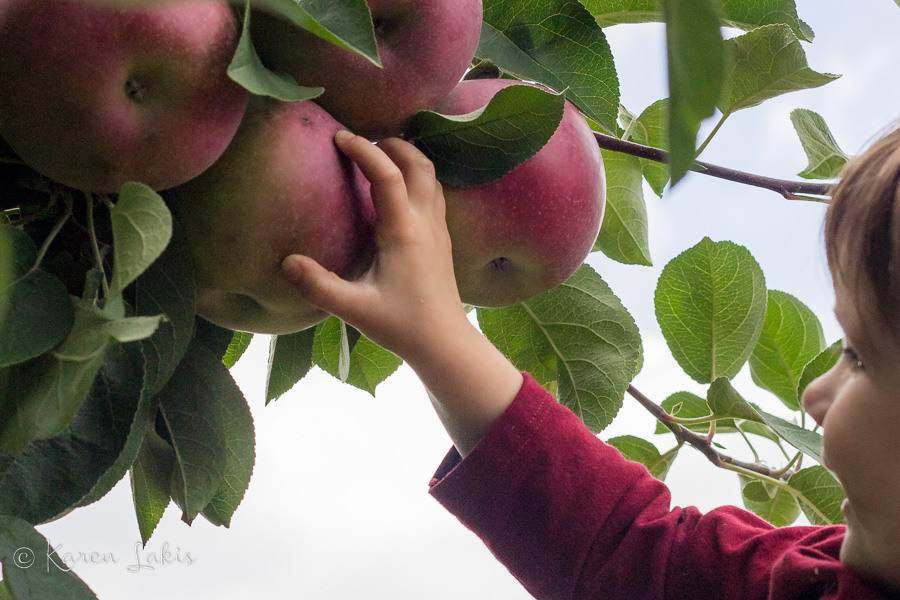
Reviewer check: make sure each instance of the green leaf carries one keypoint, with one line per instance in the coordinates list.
(347, 24)
(290, 359)
(765, 63)
(710, 303)
(623, 236)
(370, 364)
(686, 405)
(577, 334)
(150, 475)
(808, 442)
(740, 14)
(52, 476)
(239, 344)
(696, 75)
(51, 388)
(247, 70)
(32, 570)
(240, 447)
(826, 159)
(556, 43)
(167, 288)
(791, 337)
(641, 451)
(483, 146)
(190, 408)
(822, 491)
(820, 365)
(780, 509)
(142, 228)
(725, 401)
(650, 129)
(39, 317)
(36, 313)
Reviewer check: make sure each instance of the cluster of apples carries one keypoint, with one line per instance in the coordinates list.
(95, 94)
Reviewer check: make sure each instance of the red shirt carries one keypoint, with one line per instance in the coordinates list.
(570, 518)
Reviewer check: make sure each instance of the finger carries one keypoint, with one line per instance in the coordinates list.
(389, 195)
(322, 288)
(418, 171)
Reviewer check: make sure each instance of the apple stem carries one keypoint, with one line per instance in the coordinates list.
(791, 190)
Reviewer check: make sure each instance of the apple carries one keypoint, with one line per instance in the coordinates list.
(425, 48)
(282, 187)
(95, 95)
(531, 229)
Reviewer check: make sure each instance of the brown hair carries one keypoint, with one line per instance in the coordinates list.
(862, 229)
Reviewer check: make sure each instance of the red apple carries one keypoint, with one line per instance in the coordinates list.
(425, 48)
(95, 95)
(529, 230)
(281, 188)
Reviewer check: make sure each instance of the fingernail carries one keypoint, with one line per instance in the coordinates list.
(343, 135)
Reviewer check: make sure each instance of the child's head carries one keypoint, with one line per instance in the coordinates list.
(857, 402)
(862, 235)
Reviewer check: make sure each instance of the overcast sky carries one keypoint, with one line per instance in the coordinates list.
(338, 505)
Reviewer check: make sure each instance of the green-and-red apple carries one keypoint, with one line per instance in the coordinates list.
(282, 187)
(94, 95)
(529, 230)
(425, 48)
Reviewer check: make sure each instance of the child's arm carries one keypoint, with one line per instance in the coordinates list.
(408, 302)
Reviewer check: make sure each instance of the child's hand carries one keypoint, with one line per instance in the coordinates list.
(408, 302)
(409, 295)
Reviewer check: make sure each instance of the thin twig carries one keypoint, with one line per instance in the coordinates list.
(700, 442)
(791, 190)
(54, 232)
(98, 257)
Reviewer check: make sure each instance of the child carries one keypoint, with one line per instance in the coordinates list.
(566, 513)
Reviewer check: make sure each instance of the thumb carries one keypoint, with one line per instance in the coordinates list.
(322, 288)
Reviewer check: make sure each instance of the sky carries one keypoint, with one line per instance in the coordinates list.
(338, 505)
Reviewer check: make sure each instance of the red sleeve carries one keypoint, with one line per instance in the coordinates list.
(571, 519)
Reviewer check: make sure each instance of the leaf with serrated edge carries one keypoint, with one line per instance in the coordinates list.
(484, 145)
(240, 341)
(781, 509)
(640, 450)
(696, 75)
(247, 69)
(55, 475)
(791, 337)
(39, 317)
(710, 304)
(725, 401)
(623, 236)
(150, 475)
(578, 334)
(370, 364)
(820, 365)
(686, 405)
(556, 43)
(808, 442)
(52, 580)
(765, 63)
(650, 129)
(740, 14)
(290, 359)
(823, 491)
(167, 288)
(142, 228)
(347, 24)
(826, 159)
(240, 448)
(189, 406)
